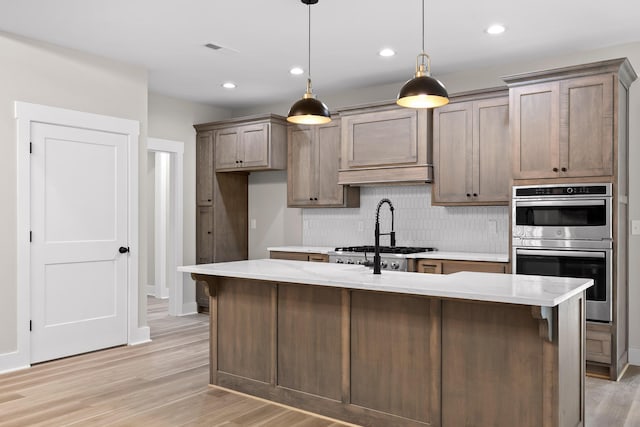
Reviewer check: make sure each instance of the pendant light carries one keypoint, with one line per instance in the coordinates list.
(309, 110)
(423, 91)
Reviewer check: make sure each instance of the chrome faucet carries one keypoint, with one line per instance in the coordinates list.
(391, 234)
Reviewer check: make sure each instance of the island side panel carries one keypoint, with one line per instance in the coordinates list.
(571, 373)
(500, 368)
(244, 329)
(395, 355)
(493, 370)
(309, 339)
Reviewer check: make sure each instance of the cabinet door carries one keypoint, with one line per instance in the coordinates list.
(381, 138)
(534, 111)
(329, 193)
(226, 143)
(301, 173)
(453, 153)
(204, 169)
(491, 149)
(204, 249)
(204, 234)
(253, 148)
(586, 126)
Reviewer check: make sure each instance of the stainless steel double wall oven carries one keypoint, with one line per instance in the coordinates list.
(566, 230)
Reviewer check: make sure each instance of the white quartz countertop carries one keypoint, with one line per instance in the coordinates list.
(302, 249)
(460, 256)
(503, 288)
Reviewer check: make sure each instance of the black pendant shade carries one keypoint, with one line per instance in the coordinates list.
(309, 110)
(423, 92)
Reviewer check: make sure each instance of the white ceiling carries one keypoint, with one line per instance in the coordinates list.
(265, 38)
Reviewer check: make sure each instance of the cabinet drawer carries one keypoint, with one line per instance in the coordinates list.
(598, 343)
(449, 267)
(429, 266)
(299, 256)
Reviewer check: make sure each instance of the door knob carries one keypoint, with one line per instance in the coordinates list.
(123, 250)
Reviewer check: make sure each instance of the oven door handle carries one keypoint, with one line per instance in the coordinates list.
(560, 203)
(544, 252)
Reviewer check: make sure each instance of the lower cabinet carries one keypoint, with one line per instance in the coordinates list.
(441, 266)
(299, 256)
(598, 349)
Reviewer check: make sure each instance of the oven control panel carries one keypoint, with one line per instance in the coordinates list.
(566, 190)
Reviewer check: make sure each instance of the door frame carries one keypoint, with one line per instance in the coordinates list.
(26, 114)
(175, 149)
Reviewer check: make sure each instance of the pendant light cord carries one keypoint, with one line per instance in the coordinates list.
(423, 26)
(309, 44)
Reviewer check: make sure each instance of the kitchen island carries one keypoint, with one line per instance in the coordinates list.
(399, 349)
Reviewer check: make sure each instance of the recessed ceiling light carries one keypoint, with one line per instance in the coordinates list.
(496, 29)
(296, 71)
(387, 52)
(229, 85)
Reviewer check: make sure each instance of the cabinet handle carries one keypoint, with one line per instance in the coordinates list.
(315, 198)
(240, 161)
(208, 232)
(468, 195)
(555, 169)
(563, 169)
(237, 161)
(311, 198)
(475, 194)
(208, 200)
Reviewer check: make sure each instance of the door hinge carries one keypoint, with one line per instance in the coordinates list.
(30, 325)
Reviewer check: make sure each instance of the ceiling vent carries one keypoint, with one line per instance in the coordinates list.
(221, 49)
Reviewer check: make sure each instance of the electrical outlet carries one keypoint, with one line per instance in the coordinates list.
(635, 226)
(253, 223)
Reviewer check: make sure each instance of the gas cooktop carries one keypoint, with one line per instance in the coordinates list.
(386, 249)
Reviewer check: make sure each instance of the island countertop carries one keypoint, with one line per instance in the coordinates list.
(501, 288)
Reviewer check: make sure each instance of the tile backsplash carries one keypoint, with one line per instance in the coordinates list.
(417, 223)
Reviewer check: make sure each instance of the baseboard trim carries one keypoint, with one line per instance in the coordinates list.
(634, 356)
(151, 290)
(189, 308)
(14, 361)
(140, 336)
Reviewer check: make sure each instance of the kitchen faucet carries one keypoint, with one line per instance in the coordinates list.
(391, 234)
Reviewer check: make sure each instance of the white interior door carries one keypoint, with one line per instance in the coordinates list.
(78, 222)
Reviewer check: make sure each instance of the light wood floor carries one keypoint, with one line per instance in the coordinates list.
(164, 383)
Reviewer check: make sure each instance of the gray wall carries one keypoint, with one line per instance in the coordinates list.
(173, 119)
(45, 74)
(486, 77)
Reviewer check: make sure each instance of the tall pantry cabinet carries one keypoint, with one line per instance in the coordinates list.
(221, 211)
(571, 125)
(226, 151)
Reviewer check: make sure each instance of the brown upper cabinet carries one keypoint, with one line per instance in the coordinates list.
(312, 171)
(251, 144)
(471, 150)
(562, 121)
(384, 143)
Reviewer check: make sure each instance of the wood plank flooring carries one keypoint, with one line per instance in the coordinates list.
(164, 383)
